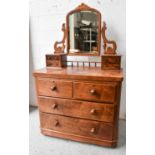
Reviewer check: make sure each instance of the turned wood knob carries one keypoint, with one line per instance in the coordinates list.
(92, 91)
(92, 130)
(92, 111)
(54, 106)
(56, 123)
(53, 88)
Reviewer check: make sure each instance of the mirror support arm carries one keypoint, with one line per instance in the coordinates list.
(57, 47)
(108, 49)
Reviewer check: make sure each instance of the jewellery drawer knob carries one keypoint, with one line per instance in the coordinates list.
(92, 91)
(92, 130)
(54, 106)
(53, 88)
(92, 111)
(56, 123)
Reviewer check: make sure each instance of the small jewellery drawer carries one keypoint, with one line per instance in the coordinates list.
(75, 126)
(95, 92)
(81, 109)
(55, 88)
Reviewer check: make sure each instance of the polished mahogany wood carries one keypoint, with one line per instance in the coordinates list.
(81, 73)
(111, 62)
(79, 138)
(55, 60)
(76, 126)
(76, 101)
(100, 92)
(54, 87)
(80, 109)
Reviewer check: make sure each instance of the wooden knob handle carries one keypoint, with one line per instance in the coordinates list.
(92, 91)
(92, 111)
(53, 88)
(54, 106)
(92, 130)
(56, 123)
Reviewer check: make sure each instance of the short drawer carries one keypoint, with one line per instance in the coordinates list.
(95, 92)
(81, 109)
(54, 88)
(75, 126)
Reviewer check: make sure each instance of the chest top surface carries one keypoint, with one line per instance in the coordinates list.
(80, 73)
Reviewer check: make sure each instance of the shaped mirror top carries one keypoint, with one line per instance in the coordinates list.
(83, 35)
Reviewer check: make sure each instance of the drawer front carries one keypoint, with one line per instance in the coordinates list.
(55, 88)
(82, 109)
(76, 126)
(95, 92)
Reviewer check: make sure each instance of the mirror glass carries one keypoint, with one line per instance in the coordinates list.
(83, 31)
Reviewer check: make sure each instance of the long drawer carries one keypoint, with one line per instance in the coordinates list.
(76, 126)
(81, 109)
(54, 88)
(100, 92)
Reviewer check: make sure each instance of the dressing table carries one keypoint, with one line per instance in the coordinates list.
(80, 100)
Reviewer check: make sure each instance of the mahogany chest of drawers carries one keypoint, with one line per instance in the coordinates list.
(80, 104)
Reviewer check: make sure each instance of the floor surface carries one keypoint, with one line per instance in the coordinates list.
(44, 145)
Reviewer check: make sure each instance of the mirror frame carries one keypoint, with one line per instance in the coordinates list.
(84, 7)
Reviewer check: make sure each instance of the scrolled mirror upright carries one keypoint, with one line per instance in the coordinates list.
(83, 26)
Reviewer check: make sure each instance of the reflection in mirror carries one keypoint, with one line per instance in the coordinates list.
(83, 32)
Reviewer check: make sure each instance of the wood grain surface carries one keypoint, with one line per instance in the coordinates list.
(101, 92)
(94, 129)
(80, 73)
(80, 109)
(54, 88)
